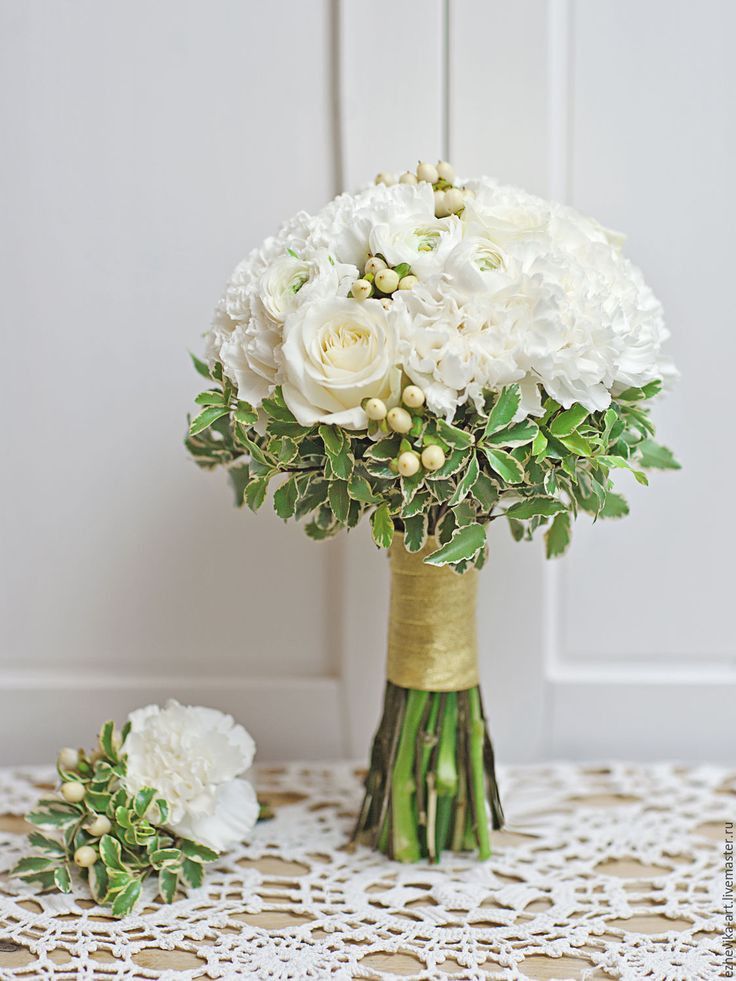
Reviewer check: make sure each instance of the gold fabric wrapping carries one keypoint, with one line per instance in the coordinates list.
(431, 629)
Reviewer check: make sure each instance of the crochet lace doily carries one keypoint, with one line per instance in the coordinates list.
(613, 871)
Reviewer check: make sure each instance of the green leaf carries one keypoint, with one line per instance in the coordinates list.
(454, 462)
(415, 532)
(467, 481)
(276, 408)
(418, 503)
(503, 411)
(126, 900)
(110, 853)
(60, 817)
(518, 435)
(567, 422)
(255, 492)
(337, 448)
(143, 800)
(200, 366)
(339, 499)
(647, 391)
(107, 740)
(239, 477)
(167, 883)
(504, 465)
(62, 879)
(656, 457)
(193, 873)
(205, 418)
(484, 491)
(382, 526)
(557, 537)
(45, 844)
(198, 852)
(532, 506)
(615, 506)
(284, 499)
(540, 444)
(384, 449)
(577, 444)
(618, 463)
(465, 543)
(454, 436)
(165, 857)
(403, 269)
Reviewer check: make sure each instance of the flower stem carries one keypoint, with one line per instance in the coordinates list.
(477, 774)
(405, 832)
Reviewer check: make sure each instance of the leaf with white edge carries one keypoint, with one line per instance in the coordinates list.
(464, 513)
(384, 449)
(54, 817)
(110, 853)
(465, 543)
(656, 457)
(276, 408)
(339, 499)
(199, 366)
(415, 532)
(410, 486)
(245, 414)
(557, 537)
(193, 873)
(466, 482)
(419, 503)
(569, 420)
(205, 418)
(284, 499)
(456, 460)
(167, 883)
(98, 882)
(143, 799)
(618, 463)
(33, 863)
(360, 490)
(333, 439)
(165, 857)
(213, 396)
(454, 436)
(45, 844)
(503, 411)
(255, 492)
(504, 465)
(517, 435)
(533, 506)
(107, 740)
(197, 851)
(62, 879)
(382, 526)
(484, 491)
(615, 506)
(126, 900)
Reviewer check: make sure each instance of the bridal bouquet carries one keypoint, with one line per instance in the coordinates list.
(160, 798)
(437, 354)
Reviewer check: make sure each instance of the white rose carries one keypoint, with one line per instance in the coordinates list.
(337, 353)
(193, 757)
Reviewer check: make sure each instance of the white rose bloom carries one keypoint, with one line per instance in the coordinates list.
(337, 353)
(194, 756)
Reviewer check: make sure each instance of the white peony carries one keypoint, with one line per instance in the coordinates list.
(336, 354)
(194, 756)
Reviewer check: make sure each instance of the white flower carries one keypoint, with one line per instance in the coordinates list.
(193, 756)
(422, 241)
(337, 353)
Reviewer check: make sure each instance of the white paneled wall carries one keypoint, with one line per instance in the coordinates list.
(147, 148)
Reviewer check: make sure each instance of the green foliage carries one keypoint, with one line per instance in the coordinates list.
(535, 472)
(137, 846)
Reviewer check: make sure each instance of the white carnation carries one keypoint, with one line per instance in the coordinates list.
(194, 757)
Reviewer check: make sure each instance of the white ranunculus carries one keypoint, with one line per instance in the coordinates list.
(337, 353)
(194, 757)
(424, 242)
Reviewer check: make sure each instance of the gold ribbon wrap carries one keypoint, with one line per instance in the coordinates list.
(432, 642)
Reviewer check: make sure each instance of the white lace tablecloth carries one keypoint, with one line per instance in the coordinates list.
(612, 871)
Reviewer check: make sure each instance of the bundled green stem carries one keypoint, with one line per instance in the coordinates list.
(431, 785)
